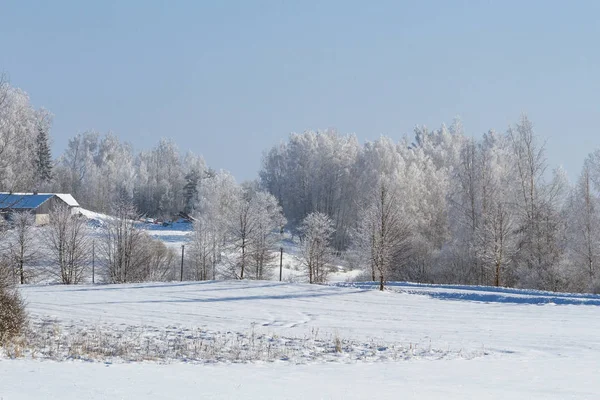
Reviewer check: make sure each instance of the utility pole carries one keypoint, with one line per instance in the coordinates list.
(281, 253)
(93, 261)
(182, 253)
(280, 263)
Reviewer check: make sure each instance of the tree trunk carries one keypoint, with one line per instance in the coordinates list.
(497, 277)
(381, 282)
(372, 272)
(243, 259)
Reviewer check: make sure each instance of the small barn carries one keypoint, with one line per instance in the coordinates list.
(38, 204)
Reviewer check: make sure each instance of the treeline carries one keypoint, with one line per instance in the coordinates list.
(442, 207)
(25, 161)
(446, 208)
(95, 168)
(106, 175)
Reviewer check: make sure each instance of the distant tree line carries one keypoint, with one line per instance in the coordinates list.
(445, 207)
(440, 207)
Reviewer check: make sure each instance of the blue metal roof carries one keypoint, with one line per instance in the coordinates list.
(22, 201)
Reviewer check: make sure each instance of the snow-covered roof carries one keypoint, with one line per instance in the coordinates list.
(22, 201)
(67, 198)
(32, 200)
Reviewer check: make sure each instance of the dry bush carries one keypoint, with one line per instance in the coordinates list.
(12, 308)
(12, 315)
(6, 274)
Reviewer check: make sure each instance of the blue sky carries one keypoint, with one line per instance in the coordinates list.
(230, 79)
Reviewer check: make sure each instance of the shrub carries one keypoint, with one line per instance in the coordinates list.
(12, 315)
(6, 275)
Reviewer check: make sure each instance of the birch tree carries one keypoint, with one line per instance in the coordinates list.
(23, 246)
(385, 234)
(202, 253)
(68, 240)
(123, 244)
(583, 214)
(269, 221)
(316, 233)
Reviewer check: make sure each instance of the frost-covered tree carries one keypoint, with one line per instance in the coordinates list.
(496, 234)
(195, 171)
(114, 171)
(316, 233)
(160, 181)
(202, 253)
(217, 198)
(244, 226)
(192, 180)
(123, 246)
(496, 242)
(18, 121)
(23, 245)
(314, 172)
(268, 221)
(43, 156)
(583, 216)
(384, 233)
(77, 168)
(94, 169)
(539, 203)
(69, 244)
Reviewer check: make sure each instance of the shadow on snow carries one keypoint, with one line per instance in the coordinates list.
(234, 298)
(485, 294)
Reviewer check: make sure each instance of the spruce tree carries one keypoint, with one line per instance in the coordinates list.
(191, 190)
(43, 157)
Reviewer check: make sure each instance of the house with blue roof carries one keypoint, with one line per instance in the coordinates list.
(38, 204)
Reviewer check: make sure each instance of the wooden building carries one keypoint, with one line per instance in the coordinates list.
(38, 204)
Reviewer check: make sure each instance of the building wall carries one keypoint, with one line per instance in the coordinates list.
(41, 219)
(42, 213)
(45, 207)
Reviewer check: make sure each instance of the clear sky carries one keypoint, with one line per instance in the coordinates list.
(229, 79)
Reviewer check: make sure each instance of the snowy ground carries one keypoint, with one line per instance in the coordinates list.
(449, 341)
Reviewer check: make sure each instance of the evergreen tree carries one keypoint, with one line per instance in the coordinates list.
(190, 190)
(43, 157)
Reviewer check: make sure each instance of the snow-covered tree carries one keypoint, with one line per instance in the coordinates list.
(540, 225)
(69, 243)
(384, 233)
(195, 172)
(202, 257)
(269, 220)
(316, 233)
(123, 244)
(23, 245)
(43, 156)
(314, 172)
(217, 198)
(159, 187)
(583, 216)
(18, 121)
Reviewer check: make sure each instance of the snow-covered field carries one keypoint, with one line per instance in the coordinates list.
(343, 341)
